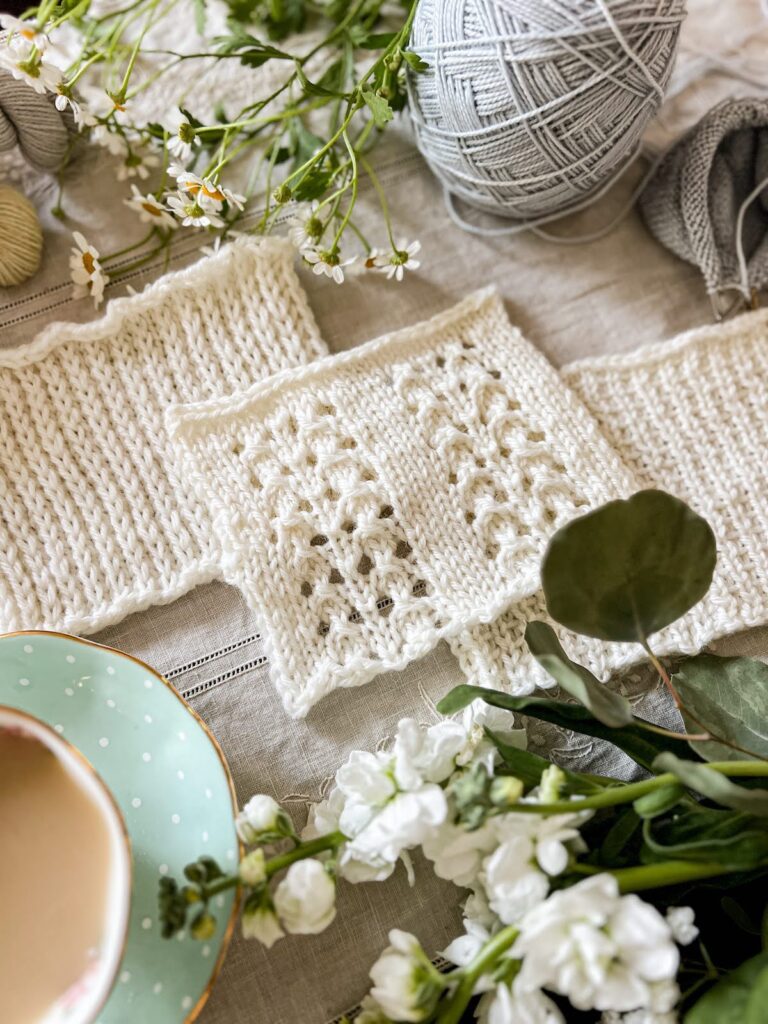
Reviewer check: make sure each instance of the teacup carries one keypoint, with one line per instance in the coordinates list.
(65, 878)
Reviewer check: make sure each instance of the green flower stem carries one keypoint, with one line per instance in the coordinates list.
(671, 872)
(454, 1009)
(627, 793)
(283, 860)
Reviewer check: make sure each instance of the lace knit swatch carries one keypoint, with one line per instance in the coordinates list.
(688, 416)
(94, 520)
(381, 499)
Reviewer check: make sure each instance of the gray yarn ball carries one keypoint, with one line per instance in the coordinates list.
(530, 107)
(30, 120)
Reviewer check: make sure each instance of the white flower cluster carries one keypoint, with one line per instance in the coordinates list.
(306, 230)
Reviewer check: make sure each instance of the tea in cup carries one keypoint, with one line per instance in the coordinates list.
(65, 878)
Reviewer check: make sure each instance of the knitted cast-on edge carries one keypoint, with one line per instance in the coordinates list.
(378, 500)
(687, 416)
(95, 520)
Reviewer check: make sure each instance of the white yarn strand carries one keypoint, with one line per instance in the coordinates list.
(530, 110)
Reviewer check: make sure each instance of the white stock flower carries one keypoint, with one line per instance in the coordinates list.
(405, 822)
(639, 1017)
(261, 923)
(478, 717)
(371, 1013)
(456, 853)
(150, 209)
(405, 984)
(305, 900)
(531, 848)
(85, 270)
(680, 921)
(252, 868)
(261, 814)
(509, 1005)
(601, 950)
(463, 950)
(426, 754)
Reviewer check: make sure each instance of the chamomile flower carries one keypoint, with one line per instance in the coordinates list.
(83, 118)
(328, 262)
(209, 193)
(26, 64)
(150, 209)
(85, 270)
(17, 28)
(113, 142)
(137, 164)
(181, 136)
(395, 263)
(191, 212)
(306, 228)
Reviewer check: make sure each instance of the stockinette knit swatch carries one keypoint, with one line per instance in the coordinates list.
(378, 500)
(687, 416)
(95, 520)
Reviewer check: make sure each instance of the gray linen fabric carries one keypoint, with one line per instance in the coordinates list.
(608, 296)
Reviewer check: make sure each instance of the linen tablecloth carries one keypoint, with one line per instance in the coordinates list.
(571, 301)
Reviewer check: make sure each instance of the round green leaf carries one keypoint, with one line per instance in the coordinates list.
(629, 568)
(730, 1001)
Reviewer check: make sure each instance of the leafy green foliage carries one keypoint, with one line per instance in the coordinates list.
(740, 998)
(527, 767)
(379, 108)
(714, 785)
(728, 697)
(659, 801)
(608, 707)
(712, 834)
(414, 61)
(629, 568)
(636, 739)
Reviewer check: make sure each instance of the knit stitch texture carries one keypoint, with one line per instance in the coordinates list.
(381, 499)
(95, 521)
(687, 416)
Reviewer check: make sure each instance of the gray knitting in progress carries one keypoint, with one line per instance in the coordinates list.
(708, 200)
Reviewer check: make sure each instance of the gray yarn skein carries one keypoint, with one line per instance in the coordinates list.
(708, 200)
(31, 121)
(530, 107)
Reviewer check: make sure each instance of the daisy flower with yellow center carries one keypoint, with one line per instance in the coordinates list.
(85, 270)
(27, 65)
(328, 262)
(150, 209)
(207, 192)
(26, 30)
(191, 212)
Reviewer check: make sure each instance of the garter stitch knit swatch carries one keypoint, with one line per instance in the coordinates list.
(381, 499)
(95, 521)
(689, 416)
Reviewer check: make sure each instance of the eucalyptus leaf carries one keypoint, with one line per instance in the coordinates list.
(608, 707)
(635, 739)
(729, 697)
(713, 785)
(728, 1002)
(699, 833)
(629, 568)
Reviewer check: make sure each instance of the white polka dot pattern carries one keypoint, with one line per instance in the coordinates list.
(378, 500)
(689, 417)
(94, 520)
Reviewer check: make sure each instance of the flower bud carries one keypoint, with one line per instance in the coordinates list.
(505, 790)
(406, 985)
(260, 922)
(552, 782)
(261, 814)
(203, 926)
(252, 868)
(282, 194)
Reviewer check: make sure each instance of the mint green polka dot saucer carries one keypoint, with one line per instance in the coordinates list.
(173, 787)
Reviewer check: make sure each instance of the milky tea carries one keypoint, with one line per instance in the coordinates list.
(55, 864)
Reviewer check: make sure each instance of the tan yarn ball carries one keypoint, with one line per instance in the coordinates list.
(21, 238)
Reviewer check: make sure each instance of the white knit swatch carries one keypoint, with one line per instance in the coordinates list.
(690, 417)
(94, 520)
(378, 500)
